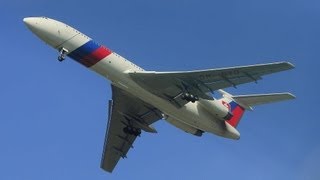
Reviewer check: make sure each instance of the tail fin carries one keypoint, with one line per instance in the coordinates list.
(238, 104)
(237, 111)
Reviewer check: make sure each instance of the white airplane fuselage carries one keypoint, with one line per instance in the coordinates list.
(116, 68)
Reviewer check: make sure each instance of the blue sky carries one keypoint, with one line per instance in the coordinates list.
(53, 115)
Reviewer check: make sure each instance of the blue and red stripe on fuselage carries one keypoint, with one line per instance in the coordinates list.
(89, 53)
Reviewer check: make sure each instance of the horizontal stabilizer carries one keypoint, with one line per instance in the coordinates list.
(256, 99)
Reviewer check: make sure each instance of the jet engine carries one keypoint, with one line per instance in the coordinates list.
(218, 108)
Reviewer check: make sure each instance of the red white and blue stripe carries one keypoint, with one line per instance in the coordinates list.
(90, 53)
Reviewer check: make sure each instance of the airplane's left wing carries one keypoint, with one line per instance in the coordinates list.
(128, 115)
(171, 85)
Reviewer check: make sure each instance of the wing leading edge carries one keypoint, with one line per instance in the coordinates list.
(128, 115)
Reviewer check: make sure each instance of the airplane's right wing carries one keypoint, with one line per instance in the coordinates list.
(128, 115)
(171, 85)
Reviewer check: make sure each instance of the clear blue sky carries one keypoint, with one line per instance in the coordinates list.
(53, 115)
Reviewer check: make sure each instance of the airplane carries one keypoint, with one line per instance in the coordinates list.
(142, 97)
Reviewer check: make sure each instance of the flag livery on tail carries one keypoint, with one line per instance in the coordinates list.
(237, 112)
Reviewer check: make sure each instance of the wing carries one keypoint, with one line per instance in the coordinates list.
(128, 115)
(171, 85)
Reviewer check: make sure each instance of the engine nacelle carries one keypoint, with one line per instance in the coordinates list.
(218, 108)
(183, 126)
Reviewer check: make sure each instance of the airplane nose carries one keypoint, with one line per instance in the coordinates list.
(52, 32)
(31, 23)
(27, 20)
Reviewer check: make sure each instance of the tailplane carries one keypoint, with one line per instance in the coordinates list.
(238, 104)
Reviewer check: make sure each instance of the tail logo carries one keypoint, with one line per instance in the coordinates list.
(227, 105)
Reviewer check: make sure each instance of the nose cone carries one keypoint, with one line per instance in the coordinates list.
(52, 32)
(28, 20)
(39, 26)
(45, 28)
(32, 23)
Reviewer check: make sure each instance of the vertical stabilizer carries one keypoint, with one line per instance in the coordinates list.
(235, 108)
(237, 112)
